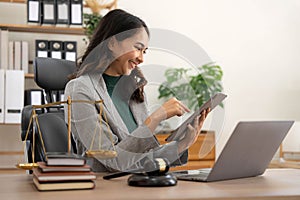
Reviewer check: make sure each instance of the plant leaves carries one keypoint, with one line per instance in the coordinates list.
(200, 87)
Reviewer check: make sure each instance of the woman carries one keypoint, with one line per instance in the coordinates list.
(109, 71)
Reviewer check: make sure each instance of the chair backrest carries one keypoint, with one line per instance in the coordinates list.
(55, 137)
(52, 75)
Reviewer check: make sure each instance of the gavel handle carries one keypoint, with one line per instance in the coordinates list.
(115, 175)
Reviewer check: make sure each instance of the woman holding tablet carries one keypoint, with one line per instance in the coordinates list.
(109, 71)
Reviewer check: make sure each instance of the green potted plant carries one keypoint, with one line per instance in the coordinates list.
(193, 89)
(90, 22)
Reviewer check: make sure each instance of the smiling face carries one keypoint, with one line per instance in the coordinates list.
(128, 53)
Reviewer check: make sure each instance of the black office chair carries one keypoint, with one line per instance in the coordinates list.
(52, 76)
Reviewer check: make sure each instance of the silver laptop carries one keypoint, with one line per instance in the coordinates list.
(247, 152)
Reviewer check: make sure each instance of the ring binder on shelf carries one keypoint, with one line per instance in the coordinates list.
(49, 12)
(56, 49)
(62, 12)
(2, 95)
(34, 97)
(3, 49)
(17, 55)
(34, 11)
(24, 56)
(41, 48)
(14, 96)
(76, 12)
(11, 55)
(70, 49)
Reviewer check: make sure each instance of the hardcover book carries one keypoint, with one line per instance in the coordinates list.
(62, 168)
(74, 185)
(62, 176)
(63, 158)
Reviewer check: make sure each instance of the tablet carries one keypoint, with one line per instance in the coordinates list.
(210, 103)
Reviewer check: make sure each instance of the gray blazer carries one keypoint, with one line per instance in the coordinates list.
(131, 147)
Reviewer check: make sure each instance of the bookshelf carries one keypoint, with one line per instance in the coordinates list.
(41, 29)
(25, 1)
(29, 75)
(14, 1)
(46, 29)
(11, 147)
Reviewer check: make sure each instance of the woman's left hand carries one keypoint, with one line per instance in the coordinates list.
(192, 132)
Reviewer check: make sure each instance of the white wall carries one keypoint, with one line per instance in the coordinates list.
(256, 42)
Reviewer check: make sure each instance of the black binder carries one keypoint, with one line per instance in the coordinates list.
(76, 12)
(41, 48)
(34, 97)
(49, 12)
(62, 11)
(70, 49)
(56, 49)
(34, 11)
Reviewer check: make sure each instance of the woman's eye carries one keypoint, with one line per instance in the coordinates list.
(138, 48)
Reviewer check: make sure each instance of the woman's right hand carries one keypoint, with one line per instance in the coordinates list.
(172, 107)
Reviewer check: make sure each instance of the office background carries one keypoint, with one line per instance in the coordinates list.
(256, 42)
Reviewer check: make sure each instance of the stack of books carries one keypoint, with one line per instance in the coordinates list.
(63, 171)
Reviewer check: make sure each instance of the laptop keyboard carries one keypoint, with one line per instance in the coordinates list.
(195, 175)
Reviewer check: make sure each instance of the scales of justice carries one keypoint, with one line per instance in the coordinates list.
(34, 123)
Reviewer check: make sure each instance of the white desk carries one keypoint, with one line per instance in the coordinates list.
(274, 184)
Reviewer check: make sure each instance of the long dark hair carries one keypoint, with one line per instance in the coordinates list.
(98, 56)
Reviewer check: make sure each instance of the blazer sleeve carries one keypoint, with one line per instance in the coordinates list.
(94, 133)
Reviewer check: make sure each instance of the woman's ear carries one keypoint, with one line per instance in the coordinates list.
(112, 43)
